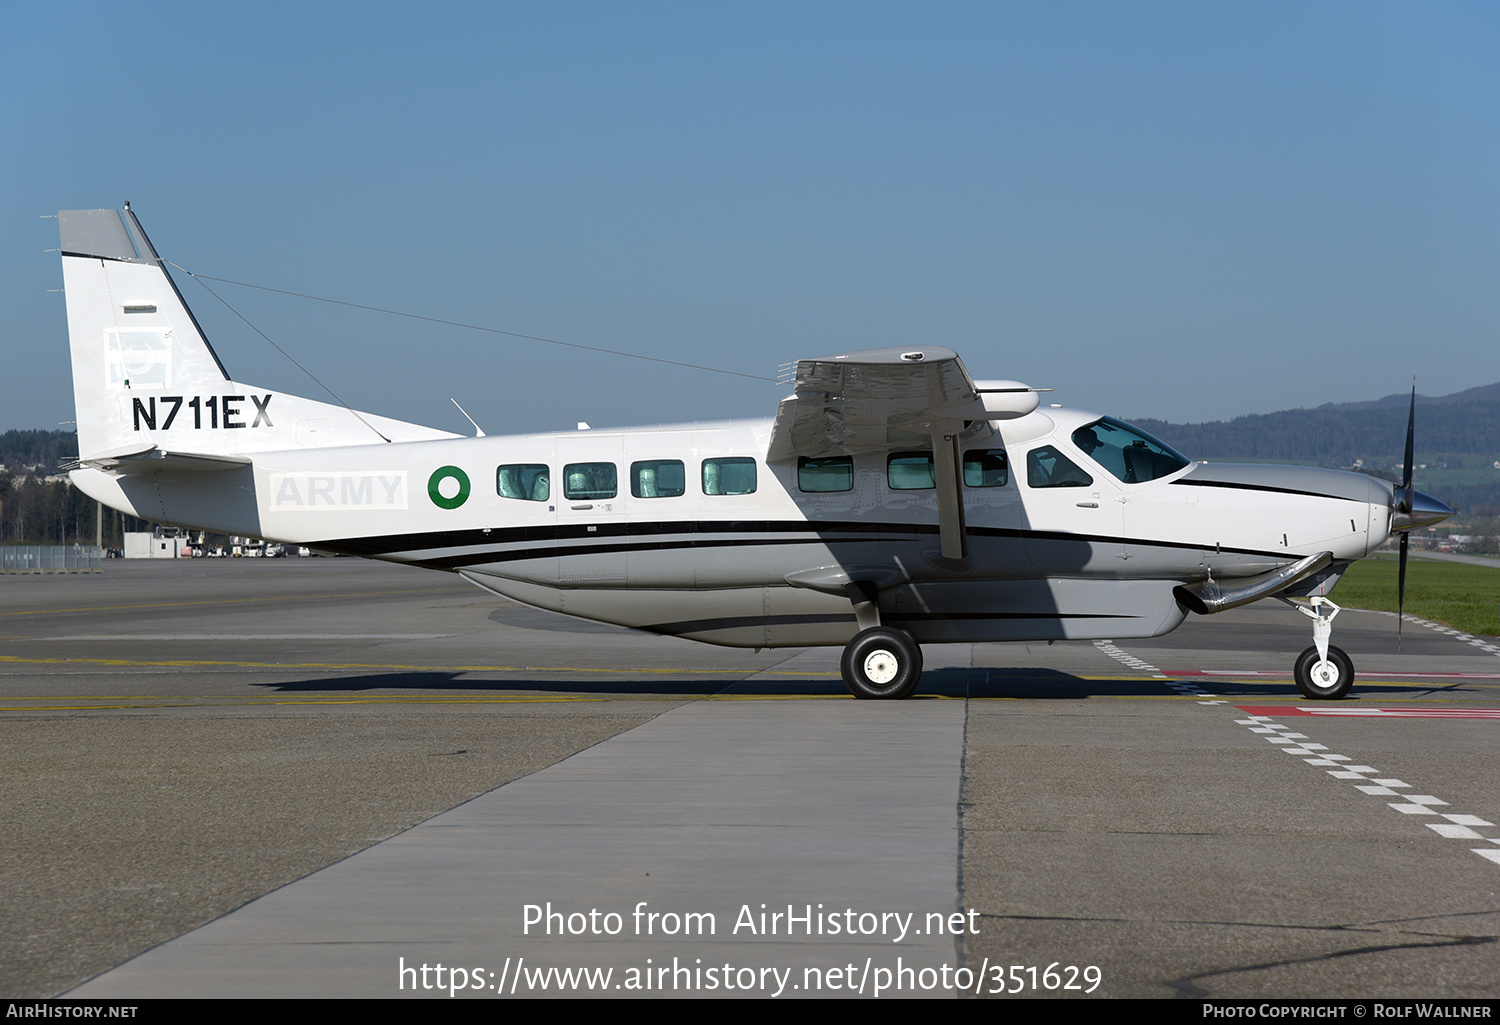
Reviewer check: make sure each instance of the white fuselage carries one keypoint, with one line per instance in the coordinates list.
(769, 567)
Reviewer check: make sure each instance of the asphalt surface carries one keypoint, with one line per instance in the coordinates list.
(180, 739)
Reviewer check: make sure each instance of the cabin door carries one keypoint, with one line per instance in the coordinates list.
(592, 499)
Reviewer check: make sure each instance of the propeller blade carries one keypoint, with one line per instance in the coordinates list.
(1411, 430)
(1405, 497)
(1401, 589)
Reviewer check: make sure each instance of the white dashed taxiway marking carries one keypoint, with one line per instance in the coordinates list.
(1454, 827)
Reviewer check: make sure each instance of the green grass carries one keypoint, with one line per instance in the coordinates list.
(1456, 478)
(1461, 596)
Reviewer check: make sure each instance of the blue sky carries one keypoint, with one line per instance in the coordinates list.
(1187, 211)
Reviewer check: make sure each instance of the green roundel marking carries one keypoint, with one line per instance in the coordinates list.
(441, 474)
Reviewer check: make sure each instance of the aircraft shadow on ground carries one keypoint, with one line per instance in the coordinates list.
(465, 683)
(1031, 683)
(1026, 683)
(1051, 684)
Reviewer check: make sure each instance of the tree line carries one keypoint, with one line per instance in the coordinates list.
(35, 511)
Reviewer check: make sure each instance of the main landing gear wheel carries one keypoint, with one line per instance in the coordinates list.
(1324, 680)
(881, 663)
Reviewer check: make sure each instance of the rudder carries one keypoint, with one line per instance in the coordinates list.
(130, 332)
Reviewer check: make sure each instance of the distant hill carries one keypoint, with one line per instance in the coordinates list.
(1457, 437)
(1466, 422)
(1485, 393)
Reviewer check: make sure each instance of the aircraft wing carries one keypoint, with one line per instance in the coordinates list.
(880, 398)
(883, 399)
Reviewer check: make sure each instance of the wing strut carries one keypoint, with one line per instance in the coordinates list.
(950, 496)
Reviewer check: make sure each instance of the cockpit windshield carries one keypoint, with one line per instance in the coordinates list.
(1128, 452)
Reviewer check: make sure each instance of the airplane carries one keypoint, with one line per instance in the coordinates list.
(893, 501)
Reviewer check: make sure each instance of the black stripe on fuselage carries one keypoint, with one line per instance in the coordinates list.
(923, 616)
(488, 546)
(389, 544)
(562, 551)
(1237, 486)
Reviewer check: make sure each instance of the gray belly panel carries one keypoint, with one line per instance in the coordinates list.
(1048, 609)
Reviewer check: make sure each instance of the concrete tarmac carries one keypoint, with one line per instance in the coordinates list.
(1163, 816)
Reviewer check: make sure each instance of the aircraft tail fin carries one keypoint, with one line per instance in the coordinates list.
(144, 372)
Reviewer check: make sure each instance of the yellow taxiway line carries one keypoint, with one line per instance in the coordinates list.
(228, 601)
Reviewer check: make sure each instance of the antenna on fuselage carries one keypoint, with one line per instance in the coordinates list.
(478, 431)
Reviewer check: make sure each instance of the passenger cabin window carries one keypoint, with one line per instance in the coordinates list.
(835, 473)
(589, 480)
(909, 471)
(1046, 467)
(986, 468)
(658, 478)
(528, 482)
(734, 475)
(1127, 452)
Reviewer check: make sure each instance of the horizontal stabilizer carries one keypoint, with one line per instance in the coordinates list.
(151, 459)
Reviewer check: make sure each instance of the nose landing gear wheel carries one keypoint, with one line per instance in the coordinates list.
(881, 663)
(1324, 680)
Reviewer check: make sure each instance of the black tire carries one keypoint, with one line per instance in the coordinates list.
(881, 663)
(1327, 682)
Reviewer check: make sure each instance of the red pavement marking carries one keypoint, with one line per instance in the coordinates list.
(1366, 712)
(1363, 672)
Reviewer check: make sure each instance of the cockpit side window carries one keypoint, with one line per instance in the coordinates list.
(1129, 453)
(1046, 467)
